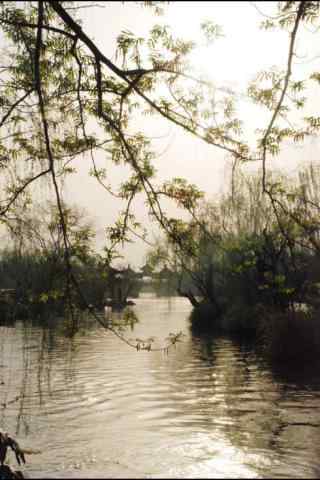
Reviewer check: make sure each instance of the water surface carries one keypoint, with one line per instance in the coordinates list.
(211, 408)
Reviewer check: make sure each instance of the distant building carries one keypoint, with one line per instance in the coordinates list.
(146, 271)
(121, 283)
(165, 273)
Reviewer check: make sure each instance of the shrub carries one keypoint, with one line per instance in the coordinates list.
(291, 336)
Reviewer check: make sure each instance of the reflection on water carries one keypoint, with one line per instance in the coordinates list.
(211, 408)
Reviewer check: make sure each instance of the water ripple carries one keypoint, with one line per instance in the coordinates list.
(212, 408)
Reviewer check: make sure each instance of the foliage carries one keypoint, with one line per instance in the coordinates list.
(61, 96)
(242, 259)
(292, 336)
(39, 281)
(35, 265)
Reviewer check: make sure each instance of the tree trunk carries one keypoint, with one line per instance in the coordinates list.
(192, 299)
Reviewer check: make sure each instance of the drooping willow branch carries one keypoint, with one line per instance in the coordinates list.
(21, 189)
(14, 106)
(38, 87)
(71, 279)
(100, 58)
(300, 12)
(132, 85)
(302, 6)
(127, 151)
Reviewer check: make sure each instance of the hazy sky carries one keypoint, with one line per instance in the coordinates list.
(231, 61)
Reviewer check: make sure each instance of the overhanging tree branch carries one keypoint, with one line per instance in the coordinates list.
(102, 59)
(299, 15)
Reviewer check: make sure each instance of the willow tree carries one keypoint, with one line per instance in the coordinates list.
(61, 96)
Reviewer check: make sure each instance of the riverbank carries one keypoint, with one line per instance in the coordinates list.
(292, 335)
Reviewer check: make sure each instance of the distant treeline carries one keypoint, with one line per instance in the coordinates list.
(39, 282)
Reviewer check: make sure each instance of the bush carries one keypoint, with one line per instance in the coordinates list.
(204, 318)
(238, 318)
(291, 336)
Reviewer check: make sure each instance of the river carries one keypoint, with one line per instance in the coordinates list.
(211, 408)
